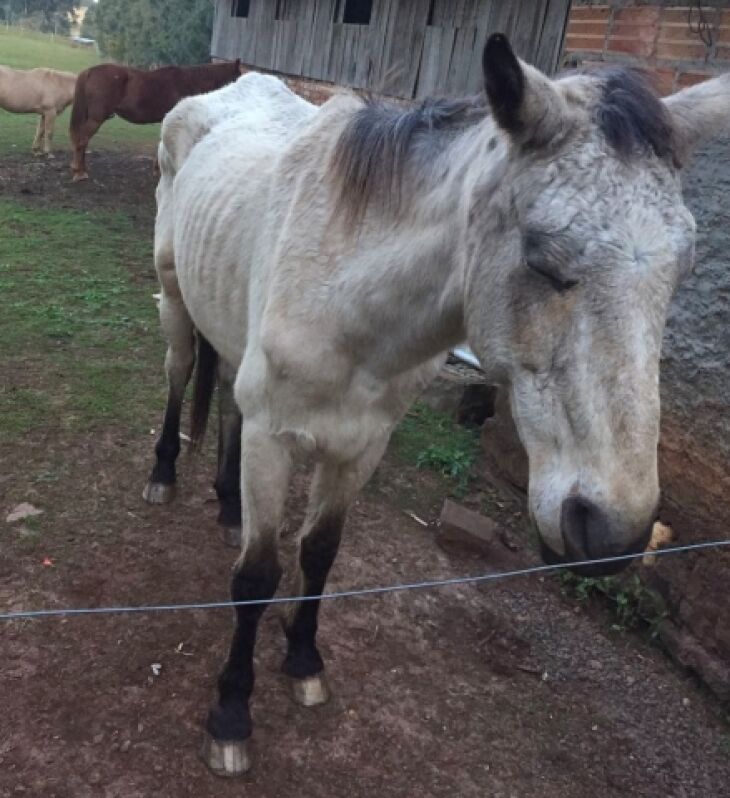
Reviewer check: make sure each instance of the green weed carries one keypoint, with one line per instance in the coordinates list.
(433, 440)
(632, 603)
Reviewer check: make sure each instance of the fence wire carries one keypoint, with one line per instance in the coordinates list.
(354, 593)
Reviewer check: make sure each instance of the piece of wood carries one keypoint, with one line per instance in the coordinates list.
(460, 529)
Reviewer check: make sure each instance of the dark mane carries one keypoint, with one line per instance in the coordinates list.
(631, 116)
(383, 140)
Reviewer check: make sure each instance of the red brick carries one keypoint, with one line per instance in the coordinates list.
(723, 54)
(681, 15)
(587, 28)
(680, 51)
(631, 46)
(647, 33)
(676, 33)
(723, 35)
(593, 44)
(648, 15)
(590, 12)
(663, 80)
(686, 79)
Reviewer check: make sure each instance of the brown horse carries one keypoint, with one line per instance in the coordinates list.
(137, 96)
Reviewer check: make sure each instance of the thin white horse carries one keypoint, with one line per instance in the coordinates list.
(37, 91)
(331, 257)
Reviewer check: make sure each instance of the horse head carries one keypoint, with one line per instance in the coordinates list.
(575, 241)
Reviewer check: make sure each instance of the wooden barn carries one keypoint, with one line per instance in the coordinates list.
(404, 48)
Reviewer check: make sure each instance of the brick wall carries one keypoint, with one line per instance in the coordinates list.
(680, 44)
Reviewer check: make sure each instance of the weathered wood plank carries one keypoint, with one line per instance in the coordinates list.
(319, 40)
(398, 52)
(550, 45)
(438, 45)
(464, 50)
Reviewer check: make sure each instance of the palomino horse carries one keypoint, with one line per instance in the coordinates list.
(37, 91)
(331, 257)
(137, 96)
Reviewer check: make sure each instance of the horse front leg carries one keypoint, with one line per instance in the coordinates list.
(38, 140)
(49, 120)
(228, 479)
(265, 473)
(334, 486)
(179, 360)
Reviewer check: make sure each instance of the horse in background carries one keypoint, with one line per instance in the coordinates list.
(136, 95)
(37, 91)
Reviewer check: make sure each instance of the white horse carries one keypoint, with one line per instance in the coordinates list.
(37, 91)
(330, 257)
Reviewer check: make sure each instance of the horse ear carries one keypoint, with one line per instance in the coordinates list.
(524, 102)
(698, 113)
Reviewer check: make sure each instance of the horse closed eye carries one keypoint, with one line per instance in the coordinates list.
(558, 281)
(550, 256)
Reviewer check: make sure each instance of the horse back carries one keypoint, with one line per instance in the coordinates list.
(100, 90)
(151, 95)
(217, 151)
(35, 90)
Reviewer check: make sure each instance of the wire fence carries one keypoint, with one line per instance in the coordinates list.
(357, 592)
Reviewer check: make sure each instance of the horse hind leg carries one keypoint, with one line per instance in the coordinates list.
(80, 138)
(334, 486)
(228, 480)
(265, 474)
(177, 328)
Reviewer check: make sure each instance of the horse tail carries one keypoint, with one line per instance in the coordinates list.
(80, 110)
(205, 379)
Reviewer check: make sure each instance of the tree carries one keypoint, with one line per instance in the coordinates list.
(52, 16)
(153, 32)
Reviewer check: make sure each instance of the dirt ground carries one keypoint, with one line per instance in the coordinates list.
(507, 691)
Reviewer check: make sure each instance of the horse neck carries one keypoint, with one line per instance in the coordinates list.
(208, 76)
(409, 284)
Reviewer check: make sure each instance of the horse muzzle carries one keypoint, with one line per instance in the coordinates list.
(589, 534)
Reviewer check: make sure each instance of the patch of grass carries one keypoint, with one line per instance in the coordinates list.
(20, 409)
(23, 49)
(632, 603)
(27, 50)
(429, 439)
(79, 325)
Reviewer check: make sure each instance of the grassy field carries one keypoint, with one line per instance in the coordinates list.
(79, 327)
(26, 50)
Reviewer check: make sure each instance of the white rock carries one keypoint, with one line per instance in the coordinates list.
(21, 512)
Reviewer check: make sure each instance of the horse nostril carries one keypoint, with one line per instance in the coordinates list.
(584, 528)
